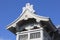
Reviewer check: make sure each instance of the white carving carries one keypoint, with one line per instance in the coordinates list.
(29, 7)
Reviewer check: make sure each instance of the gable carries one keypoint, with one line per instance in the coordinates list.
(27, 14)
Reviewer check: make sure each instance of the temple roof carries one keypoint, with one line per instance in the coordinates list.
(29, 12)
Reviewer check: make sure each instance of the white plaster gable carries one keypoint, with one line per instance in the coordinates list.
(28, 12)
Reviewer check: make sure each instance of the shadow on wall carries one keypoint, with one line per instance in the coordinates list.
(57, 34)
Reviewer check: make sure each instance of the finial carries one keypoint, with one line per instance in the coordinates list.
(29, 7)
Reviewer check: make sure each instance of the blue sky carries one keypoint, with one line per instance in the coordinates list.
(11, 9)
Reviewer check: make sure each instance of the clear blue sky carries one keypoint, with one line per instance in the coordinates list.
(11, 9)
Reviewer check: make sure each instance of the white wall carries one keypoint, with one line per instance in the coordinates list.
(31, 31)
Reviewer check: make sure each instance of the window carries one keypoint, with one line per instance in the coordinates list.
(23, 37)
(35, 35)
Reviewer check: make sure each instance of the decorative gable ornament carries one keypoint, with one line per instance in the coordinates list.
(28, 7)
